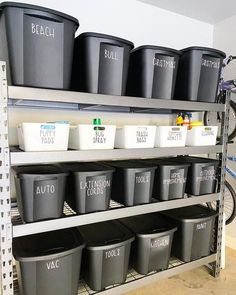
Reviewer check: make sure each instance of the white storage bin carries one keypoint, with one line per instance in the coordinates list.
(92, 137)
(135, 137)
(170, 136)
(202, 135)
(43, 136)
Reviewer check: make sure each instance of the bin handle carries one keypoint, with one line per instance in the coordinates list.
(42, 16)
(116, 240)
(99, 128)
(52, 250)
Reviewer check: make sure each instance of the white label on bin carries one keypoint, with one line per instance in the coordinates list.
(207, 132)
(206, 174)
(99, 137)
(174, 136)
(201, 226)
(112, 253)
(160, 242)
(54, 264)
(143, 177)
(95, 185)
(162, 63)
(47, 188)
(141, 135)
(41, 30)
(210, 63)
(176, 177)
(47, 134)
(110, 54)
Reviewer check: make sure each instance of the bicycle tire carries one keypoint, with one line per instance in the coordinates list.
(212, 205)
(232, 134)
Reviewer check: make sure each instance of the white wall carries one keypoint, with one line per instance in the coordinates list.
(224, 40)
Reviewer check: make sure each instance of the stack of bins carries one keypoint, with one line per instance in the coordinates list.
(170, 179)
(132, 182)
(198, 74)
(152, 72)
(106, 256)
(101, 64)
(49, 263)
(153, 240)
(38, 45)
(194, 236)
(40, 191)
(89, 186)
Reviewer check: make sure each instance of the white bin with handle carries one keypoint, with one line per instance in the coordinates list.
(133, 136)
(202, 136)
(92, 137)
(170, 136)
(34, 137)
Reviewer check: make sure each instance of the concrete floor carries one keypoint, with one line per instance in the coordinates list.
(196, 282)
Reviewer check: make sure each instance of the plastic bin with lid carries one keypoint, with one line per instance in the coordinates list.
(152, 72)
(194, 236)
(106, 256)
(101, 63)
(89, 186)
(40, 191)
(49, 263)
(38, 45)
(153, 241)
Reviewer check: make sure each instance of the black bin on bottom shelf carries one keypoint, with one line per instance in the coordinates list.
(194, 236)
(101, 64)
(49, 263)
(38, 45)
(198, 74)
(89, 186)
(170, 179)
(106, 256)
(132, 182)
(152, 72)
(152, 246)
(201, 178)
(40, 191)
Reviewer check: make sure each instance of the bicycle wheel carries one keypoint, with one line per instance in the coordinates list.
(215, 118)
(229, 203)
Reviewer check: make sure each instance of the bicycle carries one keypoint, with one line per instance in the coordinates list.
(214, 119)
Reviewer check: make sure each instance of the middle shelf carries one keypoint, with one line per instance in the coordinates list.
(115, 211)
(18, 157)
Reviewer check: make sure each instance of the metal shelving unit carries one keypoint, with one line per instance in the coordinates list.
(10, 222)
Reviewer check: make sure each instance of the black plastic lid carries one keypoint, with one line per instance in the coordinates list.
(86, 167)
(197, 160)
(104, 235)
(104, 36)
(161, 48)
(47, 245)
(36, 7)
(131, 165)
(191, 213)
(147, 224)
(39, 170)
(204, 49)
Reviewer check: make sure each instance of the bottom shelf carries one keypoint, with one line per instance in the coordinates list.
(135, 280)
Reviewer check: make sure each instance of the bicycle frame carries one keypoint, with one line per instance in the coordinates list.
(229, 170)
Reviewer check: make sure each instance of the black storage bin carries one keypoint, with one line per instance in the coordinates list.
(201, 178)
(132, 182)
(89, 186)
(49, 263)
(193, 238)
(152, 72)
(38, 45)
(106, 256)
(152, 246)
(101, 64)
(170, 179)
(40, 192)
(198, 74)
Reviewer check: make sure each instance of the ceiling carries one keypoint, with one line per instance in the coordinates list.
(210, 11)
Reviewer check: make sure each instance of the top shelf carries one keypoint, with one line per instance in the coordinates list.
(27, 94)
